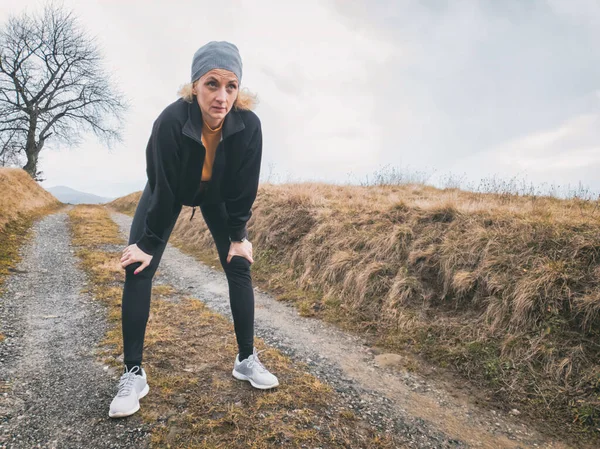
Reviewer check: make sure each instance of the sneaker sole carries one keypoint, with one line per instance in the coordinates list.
(143, 393)
(241, 376)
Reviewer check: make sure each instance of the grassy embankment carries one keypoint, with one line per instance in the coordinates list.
(22, 200)
(502, 289)
(194, 400)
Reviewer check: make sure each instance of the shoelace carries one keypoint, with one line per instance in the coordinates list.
(127, 380)
(253, 360)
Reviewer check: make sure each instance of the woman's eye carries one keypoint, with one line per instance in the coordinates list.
(211, 83)
(232, 86)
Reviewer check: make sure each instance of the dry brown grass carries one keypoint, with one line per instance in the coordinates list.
(20, 195)
(503, 289)
(126, 204)
(189, 351)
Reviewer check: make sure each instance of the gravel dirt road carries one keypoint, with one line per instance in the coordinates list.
(54, 394)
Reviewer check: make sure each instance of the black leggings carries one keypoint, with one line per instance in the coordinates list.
(137, 289)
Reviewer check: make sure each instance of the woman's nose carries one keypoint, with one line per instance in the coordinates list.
(222, 95)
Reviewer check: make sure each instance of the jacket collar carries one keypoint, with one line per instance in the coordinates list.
(193, 126)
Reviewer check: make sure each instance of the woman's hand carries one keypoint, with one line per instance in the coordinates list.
(133, 254)
(243, 249)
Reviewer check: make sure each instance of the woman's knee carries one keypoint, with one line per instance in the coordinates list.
(238, 265)
(146, 273)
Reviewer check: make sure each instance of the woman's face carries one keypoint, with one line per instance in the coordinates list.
(216, 91)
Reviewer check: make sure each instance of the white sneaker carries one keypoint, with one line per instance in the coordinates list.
(132, 387)
(252, 370)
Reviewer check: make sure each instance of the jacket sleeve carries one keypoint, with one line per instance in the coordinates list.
(162, 167)
(242, 191)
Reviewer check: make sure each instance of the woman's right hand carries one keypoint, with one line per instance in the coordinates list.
(133, 254)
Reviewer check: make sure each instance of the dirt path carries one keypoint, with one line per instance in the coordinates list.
(54, 393)
(397, 401)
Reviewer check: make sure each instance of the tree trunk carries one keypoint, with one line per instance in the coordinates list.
(32, 160)
(31, 149)
(31, 165)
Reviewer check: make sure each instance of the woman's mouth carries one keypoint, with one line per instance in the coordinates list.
(218, 109)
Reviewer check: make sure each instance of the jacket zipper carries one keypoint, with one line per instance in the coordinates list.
(203, 147)
(198, 187)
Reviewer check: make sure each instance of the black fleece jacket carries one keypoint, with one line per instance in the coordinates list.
(174, 159)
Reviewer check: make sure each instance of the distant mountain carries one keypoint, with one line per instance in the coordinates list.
(72, 196)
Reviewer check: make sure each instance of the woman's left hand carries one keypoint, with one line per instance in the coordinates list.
(243, 249)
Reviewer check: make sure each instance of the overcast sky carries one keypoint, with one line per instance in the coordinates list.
(472, 88)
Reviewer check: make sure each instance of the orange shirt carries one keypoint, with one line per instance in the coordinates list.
(210, 139)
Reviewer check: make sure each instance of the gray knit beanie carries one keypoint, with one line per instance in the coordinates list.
(217, 55)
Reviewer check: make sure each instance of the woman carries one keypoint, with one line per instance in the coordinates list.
(205, 150)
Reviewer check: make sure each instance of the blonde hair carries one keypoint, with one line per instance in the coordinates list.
(245, 101)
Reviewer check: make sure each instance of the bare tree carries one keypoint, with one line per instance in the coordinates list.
(52, 85)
